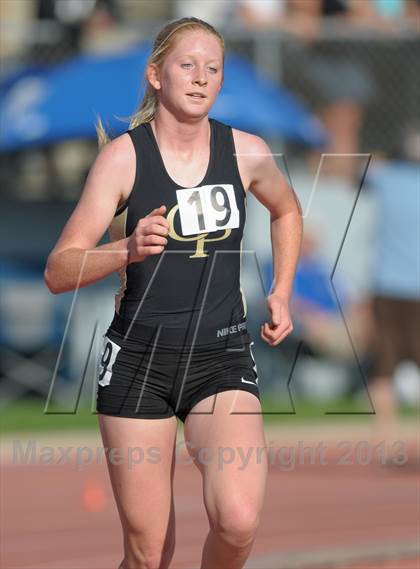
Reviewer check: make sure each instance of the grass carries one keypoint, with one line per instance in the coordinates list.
(28, 414)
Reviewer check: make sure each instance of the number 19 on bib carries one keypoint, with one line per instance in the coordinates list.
(207, 208)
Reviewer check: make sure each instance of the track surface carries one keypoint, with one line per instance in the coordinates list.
(58, 516)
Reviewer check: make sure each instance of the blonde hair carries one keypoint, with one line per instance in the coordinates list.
(164, 42)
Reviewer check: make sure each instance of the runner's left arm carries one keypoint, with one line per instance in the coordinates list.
(270, 187)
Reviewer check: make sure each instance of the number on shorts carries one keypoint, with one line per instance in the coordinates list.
(109, 353)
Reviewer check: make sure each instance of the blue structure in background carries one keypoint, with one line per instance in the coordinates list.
(32, 323)
(41, 105)
(312, 284)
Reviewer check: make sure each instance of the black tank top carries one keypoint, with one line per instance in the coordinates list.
(194, 285)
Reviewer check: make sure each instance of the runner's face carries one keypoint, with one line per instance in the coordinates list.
(192, 74)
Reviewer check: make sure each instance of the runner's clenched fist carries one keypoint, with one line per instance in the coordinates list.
(149, 236)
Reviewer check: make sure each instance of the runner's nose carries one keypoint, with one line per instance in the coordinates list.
(200, 77)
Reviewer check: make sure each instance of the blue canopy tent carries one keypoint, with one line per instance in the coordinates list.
(45, 104)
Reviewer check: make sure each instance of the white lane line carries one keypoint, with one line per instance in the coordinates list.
(326, 558)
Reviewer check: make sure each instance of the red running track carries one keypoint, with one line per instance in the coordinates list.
(59, 517)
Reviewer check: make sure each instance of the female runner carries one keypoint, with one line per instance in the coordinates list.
(172, 190)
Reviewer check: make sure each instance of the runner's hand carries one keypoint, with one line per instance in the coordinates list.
(149, 236)
(281, 325)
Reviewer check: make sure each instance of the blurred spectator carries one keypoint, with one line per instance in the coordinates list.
(396, 276)
(86, 25)
(71, 16)
(341, 88)
(391, 8)
(103, 32)
(412, 13)
(215, 12)
(405, 12)
(274, 15)
(16, 19)
(318, 313)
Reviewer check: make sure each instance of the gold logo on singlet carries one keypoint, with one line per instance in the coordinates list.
(201, 238)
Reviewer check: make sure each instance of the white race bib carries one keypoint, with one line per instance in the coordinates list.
(207, 208)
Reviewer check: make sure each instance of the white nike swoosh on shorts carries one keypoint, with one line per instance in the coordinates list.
(247, 381)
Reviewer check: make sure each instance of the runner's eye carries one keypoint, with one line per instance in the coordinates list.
(213, 69)
(186, 65)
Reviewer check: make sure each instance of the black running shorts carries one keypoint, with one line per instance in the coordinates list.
(140, 378)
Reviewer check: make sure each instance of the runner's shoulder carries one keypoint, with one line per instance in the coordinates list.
(117, 160)
(119, 152)
(251, 150)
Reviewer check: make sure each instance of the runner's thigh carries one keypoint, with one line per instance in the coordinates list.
(141, 472)
(229, 448)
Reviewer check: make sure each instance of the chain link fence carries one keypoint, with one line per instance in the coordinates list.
(379, 75)
(382, 76)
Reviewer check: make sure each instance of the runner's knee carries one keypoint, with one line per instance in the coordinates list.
(150, 554)
(237, 526)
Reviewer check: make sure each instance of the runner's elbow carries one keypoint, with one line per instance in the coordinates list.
(51, 281)
(52, 277)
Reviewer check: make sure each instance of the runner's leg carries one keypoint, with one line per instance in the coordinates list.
(143, 486)
(229, 449)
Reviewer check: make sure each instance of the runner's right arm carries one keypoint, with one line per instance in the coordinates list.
(76, 261)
